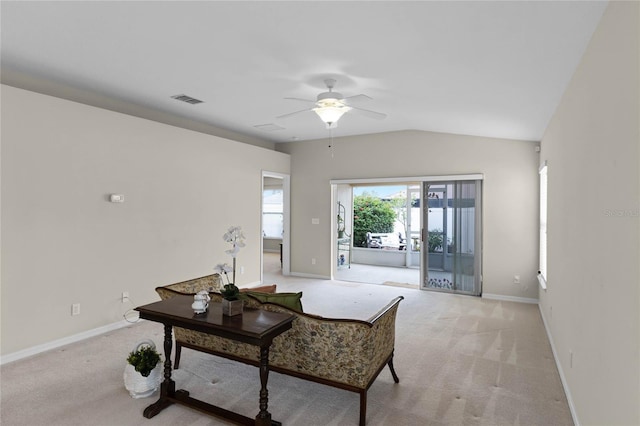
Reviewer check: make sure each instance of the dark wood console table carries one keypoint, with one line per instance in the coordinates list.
(254, 326)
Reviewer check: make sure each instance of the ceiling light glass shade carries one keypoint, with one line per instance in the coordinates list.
(331, 114)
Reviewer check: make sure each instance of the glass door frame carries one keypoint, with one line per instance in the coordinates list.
(477, 261)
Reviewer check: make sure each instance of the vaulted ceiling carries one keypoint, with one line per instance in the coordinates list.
(493, 69)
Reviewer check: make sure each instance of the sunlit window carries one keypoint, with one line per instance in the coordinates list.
(272, 213)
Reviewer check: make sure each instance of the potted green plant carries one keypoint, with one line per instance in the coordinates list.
(143, 372)
(230, 292)
(435, 241)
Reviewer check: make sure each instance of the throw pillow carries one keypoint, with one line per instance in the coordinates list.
(262, 289)
(289, 300)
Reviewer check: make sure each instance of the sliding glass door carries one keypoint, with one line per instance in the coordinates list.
(451, 237)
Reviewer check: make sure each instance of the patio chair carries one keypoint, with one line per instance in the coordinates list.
(373, 241)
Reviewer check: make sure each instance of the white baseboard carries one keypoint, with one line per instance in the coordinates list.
(509, 298)
(302, 275)
(15, 356)
(565, 385)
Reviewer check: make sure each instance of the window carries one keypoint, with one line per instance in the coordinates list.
(272, 213)
(542, 273)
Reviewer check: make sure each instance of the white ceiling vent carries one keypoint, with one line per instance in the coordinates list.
(187, 99)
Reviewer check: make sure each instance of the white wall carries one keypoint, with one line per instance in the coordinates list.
(63, 243)
(20, 80)
(510, 195)
(592, 304)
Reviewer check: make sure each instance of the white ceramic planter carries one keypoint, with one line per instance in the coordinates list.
(138, 385)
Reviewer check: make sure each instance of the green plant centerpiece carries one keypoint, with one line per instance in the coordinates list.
(144, 359)
(231, 303)
(230, 292)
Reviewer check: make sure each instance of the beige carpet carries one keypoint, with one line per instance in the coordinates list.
(405, 285)
(461, 361)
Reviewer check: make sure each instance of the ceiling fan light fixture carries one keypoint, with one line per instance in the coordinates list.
(331, 114)
(330, 106)
(329, 97)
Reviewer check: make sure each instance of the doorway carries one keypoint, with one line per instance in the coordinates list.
(450, 262)
(275, 220)
(377, 233)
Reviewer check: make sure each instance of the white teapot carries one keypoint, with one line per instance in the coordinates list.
(200, 302)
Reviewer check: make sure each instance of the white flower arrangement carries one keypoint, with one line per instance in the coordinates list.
(223, 269)
(235, 236)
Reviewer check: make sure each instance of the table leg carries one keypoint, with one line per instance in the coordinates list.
(168, 386)
(264, 417)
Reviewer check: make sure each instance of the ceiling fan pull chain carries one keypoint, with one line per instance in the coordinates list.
(331, 143)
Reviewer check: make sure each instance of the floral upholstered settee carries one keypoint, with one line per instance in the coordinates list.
(344, 353)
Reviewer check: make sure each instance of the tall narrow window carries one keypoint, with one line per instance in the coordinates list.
(542, 273)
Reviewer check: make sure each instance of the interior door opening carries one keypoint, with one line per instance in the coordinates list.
(275, 205)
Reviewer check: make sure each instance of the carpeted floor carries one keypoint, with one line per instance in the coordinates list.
(461, 361)
(395, 284)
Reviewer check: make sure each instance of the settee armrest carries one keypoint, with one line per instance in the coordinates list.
(383, 333)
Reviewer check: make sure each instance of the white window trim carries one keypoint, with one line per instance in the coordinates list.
(476, 176)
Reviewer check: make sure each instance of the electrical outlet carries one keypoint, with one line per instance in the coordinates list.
(75, 309)
(241, 270)
(125, 296)
(313, 260)
(516, 279)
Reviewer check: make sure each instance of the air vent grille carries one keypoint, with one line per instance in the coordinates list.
(187, 99)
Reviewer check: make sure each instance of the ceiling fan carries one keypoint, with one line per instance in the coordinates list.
(330, 106)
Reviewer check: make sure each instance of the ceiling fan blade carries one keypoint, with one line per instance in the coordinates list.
(301, 100)
(357, 98)
(294, 113)
(368, 113)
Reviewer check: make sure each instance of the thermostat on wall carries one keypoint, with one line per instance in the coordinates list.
(116, 198)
